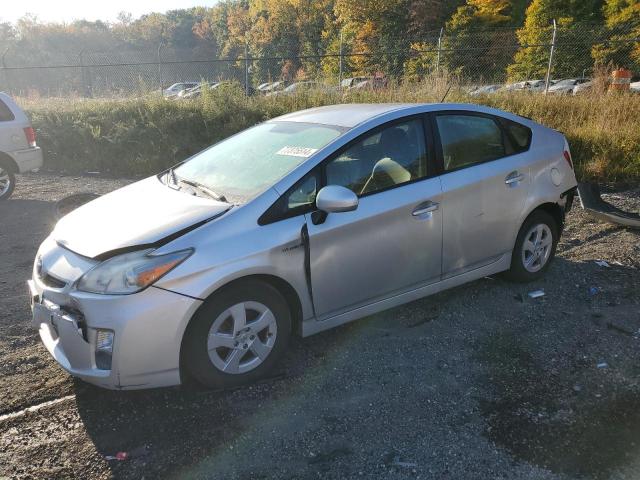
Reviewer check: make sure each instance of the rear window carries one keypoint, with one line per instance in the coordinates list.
(520, 135)
(6, 115)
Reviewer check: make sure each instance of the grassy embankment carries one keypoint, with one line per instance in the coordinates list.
(142, 136)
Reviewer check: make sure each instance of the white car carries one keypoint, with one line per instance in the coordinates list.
(176, 88)
(18, 150)
(635, 87)
(565, 87)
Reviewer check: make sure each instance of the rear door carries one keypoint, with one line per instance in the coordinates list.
(485, 181)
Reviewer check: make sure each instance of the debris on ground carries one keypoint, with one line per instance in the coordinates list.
(536, 294)
(602, 365)
(602, 263)
(594, 290)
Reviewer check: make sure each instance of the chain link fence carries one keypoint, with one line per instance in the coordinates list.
(474, 57)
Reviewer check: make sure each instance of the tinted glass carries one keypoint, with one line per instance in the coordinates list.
(389, 157)
(6, 115)
(247, 163)
(469, 139)
(520, 135)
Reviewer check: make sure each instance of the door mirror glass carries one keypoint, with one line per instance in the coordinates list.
(334, 198)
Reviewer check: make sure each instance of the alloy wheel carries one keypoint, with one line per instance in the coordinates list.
(5, 181)
(536, 248)
(242, 337)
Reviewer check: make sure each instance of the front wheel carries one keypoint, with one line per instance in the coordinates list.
(7, 182)
(535, 247)
(238, 335)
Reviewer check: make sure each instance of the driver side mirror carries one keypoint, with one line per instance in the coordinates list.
(334, 199)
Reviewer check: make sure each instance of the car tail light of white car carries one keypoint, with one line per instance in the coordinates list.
(30, 134)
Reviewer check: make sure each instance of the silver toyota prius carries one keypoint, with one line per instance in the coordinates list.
(298, 224)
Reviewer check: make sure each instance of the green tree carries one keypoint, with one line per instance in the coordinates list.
(572, 43)
(622, 21)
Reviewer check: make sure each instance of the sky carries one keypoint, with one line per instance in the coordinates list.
(69, 10)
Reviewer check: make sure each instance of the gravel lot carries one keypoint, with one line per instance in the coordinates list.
(477, 382)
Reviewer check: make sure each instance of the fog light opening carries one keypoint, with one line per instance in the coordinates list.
(104, 349)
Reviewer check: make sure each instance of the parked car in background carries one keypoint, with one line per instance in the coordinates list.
(267, 87)
(176, 88)
(299, 224)
(19, 152)
(635, 87)
(582, 88)
(299, 87)
(353, 81)
(566, 86)
(485, 90)
(196, 91)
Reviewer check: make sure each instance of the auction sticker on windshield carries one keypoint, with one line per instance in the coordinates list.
(297, 151)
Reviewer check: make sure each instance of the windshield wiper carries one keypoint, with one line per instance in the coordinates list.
(202, 188)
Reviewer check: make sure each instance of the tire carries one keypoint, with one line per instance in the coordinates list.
(538, 236)
(219, 354)
(7, 182)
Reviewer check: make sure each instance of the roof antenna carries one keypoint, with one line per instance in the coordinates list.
(445, 94)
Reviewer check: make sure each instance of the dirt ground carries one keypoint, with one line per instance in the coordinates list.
(477, 382)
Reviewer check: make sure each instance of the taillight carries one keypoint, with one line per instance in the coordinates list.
(30, 133)
(567, 157)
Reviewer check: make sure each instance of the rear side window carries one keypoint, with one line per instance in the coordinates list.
(469, 139)
(519, 134)
(6, 115)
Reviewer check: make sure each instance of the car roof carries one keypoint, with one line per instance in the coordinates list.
(350, 115)
(343, 115)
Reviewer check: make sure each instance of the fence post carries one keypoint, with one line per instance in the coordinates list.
(341, 65)
(553, 47)
(160, 68)
(439, 49)
(4, 68)
(246, 69)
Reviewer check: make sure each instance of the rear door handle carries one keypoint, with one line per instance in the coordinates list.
(514, 177)
(426, 207)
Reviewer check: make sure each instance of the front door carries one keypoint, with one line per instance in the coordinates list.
(392, 242)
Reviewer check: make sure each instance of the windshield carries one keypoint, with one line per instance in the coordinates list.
(246, 164)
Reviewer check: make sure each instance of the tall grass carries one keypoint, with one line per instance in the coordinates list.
(147, 134)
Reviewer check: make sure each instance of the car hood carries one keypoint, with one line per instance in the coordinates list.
(143, 213)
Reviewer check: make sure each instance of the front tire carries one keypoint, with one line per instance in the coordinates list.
(7, 182)
(535, 247)
(237, 335)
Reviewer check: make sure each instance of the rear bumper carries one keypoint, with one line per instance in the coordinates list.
(28, 159)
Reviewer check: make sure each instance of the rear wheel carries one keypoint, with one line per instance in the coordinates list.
(238, 335)
(7, 182)
(535, 247)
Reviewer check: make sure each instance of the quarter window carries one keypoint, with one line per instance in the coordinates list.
(389, 157)
(520, 135)
(469, 139)
(6, 115)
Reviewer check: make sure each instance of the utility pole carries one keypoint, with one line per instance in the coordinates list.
(246, 68)
(553, 47)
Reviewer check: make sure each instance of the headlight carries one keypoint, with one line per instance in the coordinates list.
(130, 272)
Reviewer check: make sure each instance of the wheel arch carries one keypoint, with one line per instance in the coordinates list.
(7, 161)
(284, 288)
(552, 209)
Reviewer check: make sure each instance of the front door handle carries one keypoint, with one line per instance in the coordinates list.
(426, 207)
(514, 177)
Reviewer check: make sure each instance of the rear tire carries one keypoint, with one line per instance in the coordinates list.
(7, 182)
(237, 335)
(535, 247)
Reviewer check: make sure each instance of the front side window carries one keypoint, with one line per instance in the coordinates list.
(389, 157)
(248, 163)
(469, 139)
